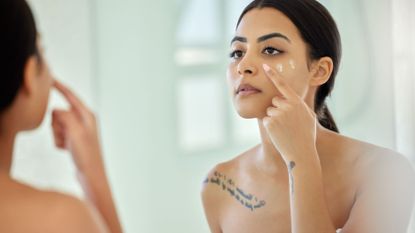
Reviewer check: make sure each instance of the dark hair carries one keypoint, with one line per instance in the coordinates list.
(319, 31)
(17, 45)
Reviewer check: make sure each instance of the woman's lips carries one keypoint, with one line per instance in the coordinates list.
(246, 90)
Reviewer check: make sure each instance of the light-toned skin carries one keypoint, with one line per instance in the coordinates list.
(337, 182)
(24, 209)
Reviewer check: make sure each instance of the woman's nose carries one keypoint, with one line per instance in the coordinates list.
(246, 66)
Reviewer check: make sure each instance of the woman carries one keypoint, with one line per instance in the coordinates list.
(25, 82)
(304, 177)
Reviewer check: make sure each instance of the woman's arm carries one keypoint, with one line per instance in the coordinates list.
(385, 199)
(76, 130)
(292, 128)
(309, 210)
(211, 205)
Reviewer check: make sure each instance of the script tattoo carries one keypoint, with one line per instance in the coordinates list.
(228, 185)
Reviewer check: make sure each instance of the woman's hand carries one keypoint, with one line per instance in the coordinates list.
(290, 123)
(76, 130)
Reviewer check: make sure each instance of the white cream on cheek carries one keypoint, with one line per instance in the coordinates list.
(292, 64)
(281, 68)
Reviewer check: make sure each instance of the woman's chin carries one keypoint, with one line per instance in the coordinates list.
(251, 113)
(250, 108)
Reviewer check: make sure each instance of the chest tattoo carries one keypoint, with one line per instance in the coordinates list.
(227, 185)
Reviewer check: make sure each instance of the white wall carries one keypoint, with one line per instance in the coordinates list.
(151, 180)
(363, 100)
(404, 73)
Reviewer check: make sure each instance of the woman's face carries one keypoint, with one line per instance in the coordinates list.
(41, 89)
(265, 36)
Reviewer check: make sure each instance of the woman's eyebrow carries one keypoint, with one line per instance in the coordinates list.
(262, 38)
(240, 39)
(273, 35)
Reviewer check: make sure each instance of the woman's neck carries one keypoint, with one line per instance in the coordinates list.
(270, 159)
(6, 151)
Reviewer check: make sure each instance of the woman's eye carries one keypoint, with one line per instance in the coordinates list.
(271, 51)
(236, 54)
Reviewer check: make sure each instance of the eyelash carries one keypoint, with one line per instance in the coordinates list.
(232, 54)
(274, 49)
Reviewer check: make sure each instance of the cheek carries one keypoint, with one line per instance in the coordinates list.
(46, 86)
(47, 78)
(231, 76)
(295, 74)
(287, 68)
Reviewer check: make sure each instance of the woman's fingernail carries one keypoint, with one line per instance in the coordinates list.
(266, 67)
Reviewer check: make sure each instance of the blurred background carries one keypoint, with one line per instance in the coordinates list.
(154, 72)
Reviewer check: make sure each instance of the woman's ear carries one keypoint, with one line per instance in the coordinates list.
(29, 75)
(321, 71)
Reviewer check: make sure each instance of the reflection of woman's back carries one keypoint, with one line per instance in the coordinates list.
(304, 176)
(25, 83)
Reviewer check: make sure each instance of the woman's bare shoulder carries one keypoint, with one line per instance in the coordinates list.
(385, 188)
(389, 165)
(217, 187)
(233, 166)
(228, 169)
(377, 161)
(44, 211)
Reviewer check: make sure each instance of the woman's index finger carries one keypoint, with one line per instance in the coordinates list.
(279, 82)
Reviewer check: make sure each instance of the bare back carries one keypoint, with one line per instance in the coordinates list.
(26, 210)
